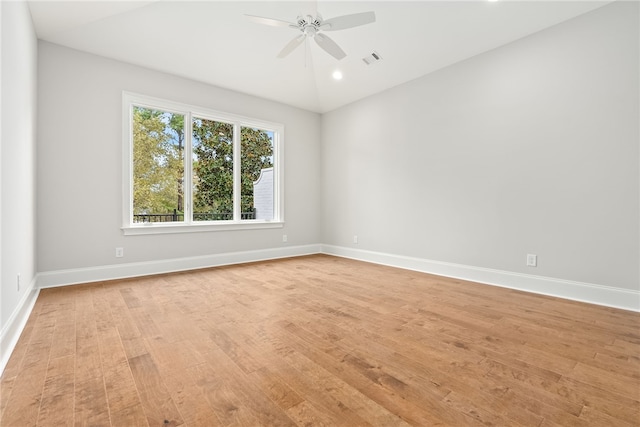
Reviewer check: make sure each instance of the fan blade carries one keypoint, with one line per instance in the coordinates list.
(270, 21)
(330, 46)
(290, 47)
(348, 21)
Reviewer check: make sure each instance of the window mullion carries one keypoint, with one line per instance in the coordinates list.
(129, 166)
(237, 189)
(187, 188)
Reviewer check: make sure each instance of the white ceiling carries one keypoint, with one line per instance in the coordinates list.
(213, 42)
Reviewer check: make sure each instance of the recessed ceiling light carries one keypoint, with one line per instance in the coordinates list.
(337, 75)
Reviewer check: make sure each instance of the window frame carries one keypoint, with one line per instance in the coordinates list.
(131, 100)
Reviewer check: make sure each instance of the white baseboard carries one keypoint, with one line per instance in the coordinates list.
(122, 271)
(15, 324)
(584, 292)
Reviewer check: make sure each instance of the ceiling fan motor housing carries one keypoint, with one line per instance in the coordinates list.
(310, 25)
(309, 20)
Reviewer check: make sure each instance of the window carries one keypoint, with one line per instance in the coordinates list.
(192, 169)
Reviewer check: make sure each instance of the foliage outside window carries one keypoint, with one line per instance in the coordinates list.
(189, 166)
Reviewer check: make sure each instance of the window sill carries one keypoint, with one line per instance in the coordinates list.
(163, 228)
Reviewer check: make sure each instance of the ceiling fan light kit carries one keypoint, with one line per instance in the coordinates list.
(313, 26)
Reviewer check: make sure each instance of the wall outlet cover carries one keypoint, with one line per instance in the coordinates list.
(532, 260)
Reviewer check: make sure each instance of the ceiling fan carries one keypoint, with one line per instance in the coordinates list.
(313, 26)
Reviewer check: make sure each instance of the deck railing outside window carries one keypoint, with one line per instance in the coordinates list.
(176, 216)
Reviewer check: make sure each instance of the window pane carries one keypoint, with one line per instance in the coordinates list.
(212, 170)
(158, 165)
(256, 173)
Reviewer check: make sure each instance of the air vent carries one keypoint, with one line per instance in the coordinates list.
(372, 58)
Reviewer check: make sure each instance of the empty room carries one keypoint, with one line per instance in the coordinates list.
(320, 213)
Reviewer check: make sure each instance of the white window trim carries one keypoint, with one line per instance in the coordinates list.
(130, 99)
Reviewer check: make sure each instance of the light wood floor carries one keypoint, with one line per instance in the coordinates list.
(319, 340)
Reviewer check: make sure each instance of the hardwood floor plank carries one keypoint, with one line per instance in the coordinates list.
(533, 398)
(91, 407)
(596, 418)
(171, 357)
(12, 369)
(23, 403)
(626, 408)
(623, 367)
(340, 402)
(263, 409)
(562, 419)
(130, 298)
(156, 400)
(131, 416)
(120, 387)
(236, 353)
(319, 340)
(6, 387)
(87, 354)
(144, 322)
(305, 414)
(57, 403)
(267, 347)
(477, 415)
(189, 399)
(377, 386)
(228, 407)
(606, 380)
(276, 389)
(221, 395)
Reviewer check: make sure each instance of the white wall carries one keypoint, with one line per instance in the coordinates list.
(18, 118)
(529, 148)
(80, 164)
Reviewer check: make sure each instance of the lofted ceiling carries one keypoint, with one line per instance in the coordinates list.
(215, 43)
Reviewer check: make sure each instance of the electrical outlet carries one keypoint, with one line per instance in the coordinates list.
(119, 252)
(284, 238)
(355, 239)
(532, 260)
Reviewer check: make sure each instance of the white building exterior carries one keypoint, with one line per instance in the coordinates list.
(263, 194)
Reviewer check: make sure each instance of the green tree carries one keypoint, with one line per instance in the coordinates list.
(176, 124)
(213, 165)
(157, 163)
